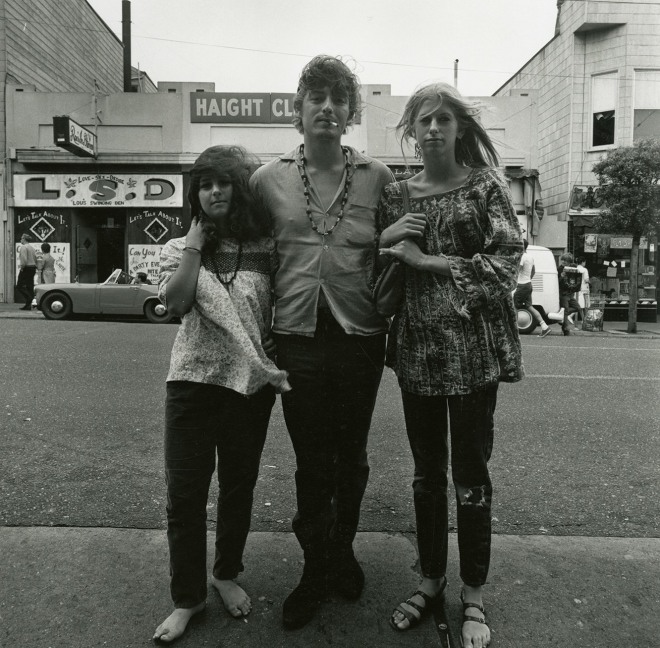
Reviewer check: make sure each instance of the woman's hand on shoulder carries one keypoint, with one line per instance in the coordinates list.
(410, 225)
(195, 235)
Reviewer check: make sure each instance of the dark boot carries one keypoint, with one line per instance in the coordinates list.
(346, 575)
(301, 605)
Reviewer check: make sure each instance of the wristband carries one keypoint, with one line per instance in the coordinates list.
(192, 248)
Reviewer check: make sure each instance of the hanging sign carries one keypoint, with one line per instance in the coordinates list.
(73, 137)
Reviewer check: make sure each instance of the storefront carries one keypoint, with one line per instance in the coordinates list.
(608, 260)
(96, 222)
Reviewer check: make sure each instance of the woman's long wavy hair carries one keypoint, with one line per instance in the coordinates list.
(247, 220)
(474, 148)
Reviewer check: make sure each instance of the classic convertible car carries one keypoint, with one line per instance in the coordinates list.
(119, 294)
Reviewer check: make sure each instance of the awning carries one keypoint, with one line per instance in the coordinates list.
(582, 219)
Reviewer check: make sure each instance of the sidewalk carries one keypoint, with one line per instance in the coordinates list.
(644, 329)
(82, 588)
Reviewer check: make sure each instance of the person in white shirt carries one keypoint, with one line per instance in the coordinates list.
(583, 295)
(522, 298)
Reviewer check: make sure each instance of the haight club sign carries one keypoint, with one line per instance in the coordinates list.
(241, 107)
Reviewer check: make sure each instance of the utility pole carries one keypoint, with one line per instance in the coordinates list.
(456, 73)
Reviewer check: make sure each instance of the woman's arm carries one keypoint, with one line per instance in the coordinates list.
(182, 285)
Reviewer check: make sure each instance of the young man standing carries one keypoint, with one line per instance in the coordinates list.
(27, 263)
(322, 199)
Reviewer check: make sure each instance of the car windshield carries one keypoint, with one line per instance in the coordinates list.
(118, 276)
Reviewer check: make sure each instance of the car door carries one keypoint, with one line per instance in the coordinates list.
(120, 298)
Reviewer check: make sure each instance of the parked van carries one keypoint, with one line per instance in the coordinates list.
(545, 289)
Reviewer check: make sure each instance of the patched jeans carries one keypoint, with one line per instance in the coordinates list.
(200, 422)
(469, 419)
(334, 382)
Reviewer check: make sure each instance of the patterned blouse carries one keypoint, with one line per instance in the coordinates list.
(219, 341)
(457, 335)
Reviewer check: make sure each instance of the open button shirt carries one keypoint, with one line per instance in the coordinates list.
(334, 270)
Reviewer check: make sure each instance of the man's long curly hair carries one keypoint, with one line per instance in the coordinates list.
(247, 219)
(324, 70)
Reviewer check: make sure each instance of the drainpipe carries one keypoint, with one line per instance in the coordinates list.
(126, 40)
(456, 74)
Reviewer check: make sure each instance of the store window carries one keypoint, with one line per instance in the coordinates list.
(647, 104)
(603, 109)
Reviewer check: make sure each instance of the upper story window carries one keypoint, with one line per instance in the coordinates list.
(646, 104)
(603, 109)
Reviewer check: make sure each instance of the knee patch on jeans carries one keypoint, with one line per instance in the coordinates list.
(474, 496)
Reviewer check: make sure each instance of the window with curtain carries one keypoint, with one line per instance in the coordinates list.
(604, 90)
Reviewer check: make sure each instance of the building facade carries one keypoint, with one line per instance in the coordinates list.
(597, 85)
(118, 208)
(48, 47)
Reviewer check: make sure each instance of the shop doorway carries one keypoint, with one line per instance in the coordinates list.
(100, 243)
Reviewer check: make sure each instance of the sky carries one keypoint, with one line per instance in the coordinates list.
(262, 45)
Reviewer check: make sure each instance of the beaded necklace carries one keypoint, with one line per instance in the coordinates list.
(214, 264)
(308, 208)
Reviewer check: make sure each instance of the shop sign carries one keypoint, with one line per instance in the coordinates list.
(73, 137)
(241, 108)
(625, 243)
(145, 258)
(97, 190)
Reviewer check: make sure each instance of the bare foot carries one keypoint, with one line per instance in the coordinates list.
(473, 633)
(236, 601)
(175, 624)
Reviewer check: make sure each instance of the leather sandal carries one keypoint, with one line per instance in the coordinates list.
(469, 617)
(415, 619)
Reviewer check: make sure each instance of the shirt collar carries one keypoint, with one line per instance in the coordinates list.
(354, 157)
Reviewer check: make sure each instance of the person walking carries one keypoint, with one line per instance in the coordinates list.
(27, 264)
(522, 298)
(221, 384)
(570, 281)
(48, 269)
(455, 338)
(322, 199)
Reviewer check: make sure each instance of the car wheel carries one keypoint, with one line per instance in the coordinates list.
(526, 322)
(56, 306)
(156, 313)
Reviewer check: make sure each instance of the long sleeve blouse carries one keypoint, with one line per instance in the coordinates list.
(456, 335)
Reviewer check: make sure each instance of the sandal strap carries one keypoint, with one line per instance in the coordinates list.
(476, 606)
(411, 616)
(427, 599)
(469, 617)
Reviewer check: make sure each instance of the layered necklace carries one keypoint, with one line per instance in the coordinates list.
(302, 169)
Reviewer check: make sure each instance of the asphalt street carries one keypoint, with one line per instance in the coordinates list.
(576, 451)
(576, 551)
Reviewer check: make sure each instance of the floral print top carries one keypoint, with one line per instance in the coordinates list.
(457, 335)
(219, 340)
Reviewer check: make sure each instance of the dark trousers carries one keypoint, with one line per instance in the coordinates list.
(200, 422)
(334, 382)
(570, 305)
(469, 419)
(25, 283)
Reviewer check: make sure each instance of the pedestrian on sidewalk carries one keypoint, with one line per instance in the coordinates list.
(455, 338)
(322, 199)
(522, 298)
(48, 269)
(221, 384)
(570, 282)
(27, 264)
